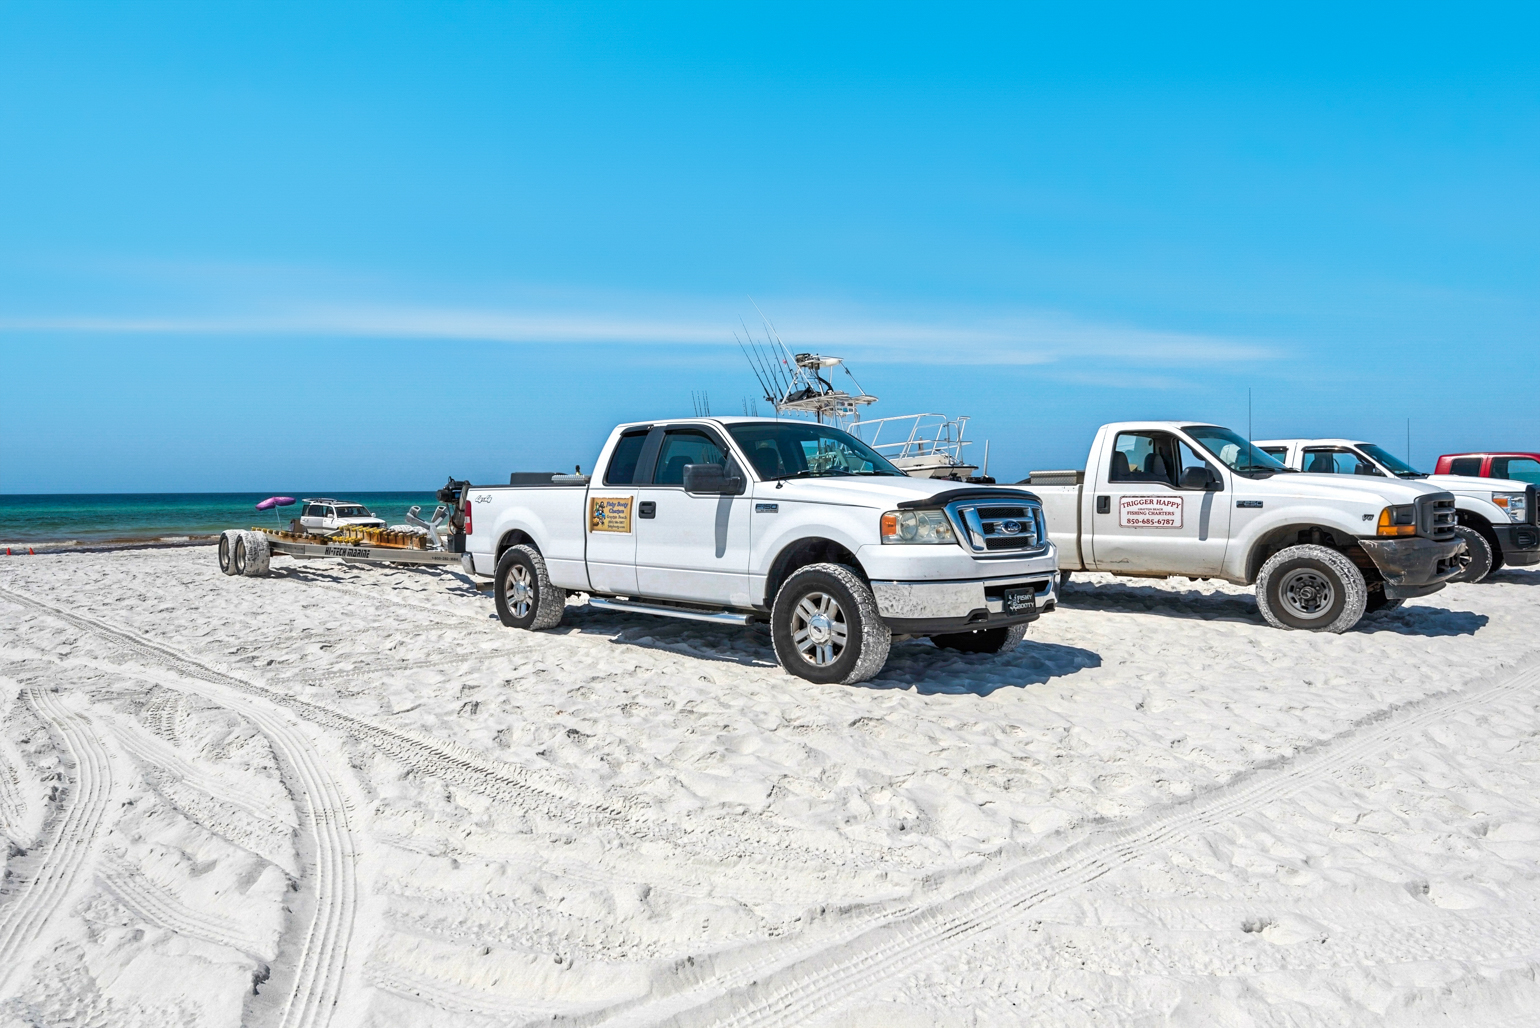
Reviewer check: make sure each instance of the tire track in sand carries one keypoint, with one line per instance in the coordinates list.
(784, 987)
(68, 856)
(313, 984)
(725, 841)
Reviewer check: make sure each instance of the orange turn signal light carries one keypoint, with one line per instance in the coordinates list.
(889, 525)
(1387, 527)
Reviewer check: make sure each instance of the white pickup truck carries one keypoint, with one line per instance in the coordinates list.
(1167, 498)
(744, 520)
(1497, 516)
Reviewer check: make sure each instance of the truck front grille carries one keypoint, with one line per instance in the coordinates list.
(999, 528)
(1436, 517)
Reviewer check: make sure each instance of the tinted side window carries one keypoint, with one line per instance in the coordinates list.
(1144, 457)
(1281, 452)
(1470, 466)
(622, 469)
(1524, 469)
(1336, 462)
(685, 446)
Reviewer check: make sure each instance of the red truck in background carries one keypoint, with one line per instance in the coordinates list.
(1524, 467)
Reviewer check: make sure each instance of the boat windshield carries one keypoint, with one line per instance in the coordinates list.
(1236, 453)
(1399, 468)
(803, 449)
(352, 511)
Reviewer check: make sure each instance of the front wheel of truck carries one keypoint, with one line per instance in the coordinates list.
(1479, 562)
(1312, 589)
(825, 626)
(525, 596)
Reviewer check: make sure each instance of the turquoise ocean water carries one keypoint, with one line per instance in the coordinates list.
(109, 518)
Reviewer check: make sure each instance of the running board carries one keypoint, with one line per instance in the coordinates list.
(718, 617)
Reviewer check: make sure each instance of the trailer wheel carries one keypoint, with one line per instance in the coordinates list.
(227, 540)
(1478, 551)
(525, 596)
(1311, 588)
(250, 555)
(825, 626)
(983, 640)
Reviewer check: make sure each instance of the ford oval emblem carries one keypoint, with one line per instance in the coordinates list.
(1010, 527)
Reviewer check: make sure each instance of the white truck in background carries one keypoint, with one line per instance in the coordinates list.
(790, 522)
(1497, 517)
(1169, 498)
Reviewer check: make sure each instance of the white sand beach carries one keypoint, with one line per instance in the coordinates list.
(345, 795)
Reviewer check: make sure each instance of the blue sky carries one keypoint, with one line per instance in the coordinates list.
(367, 246)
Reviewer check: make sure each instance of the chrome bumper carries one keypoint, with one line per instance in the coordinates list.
(915, 607)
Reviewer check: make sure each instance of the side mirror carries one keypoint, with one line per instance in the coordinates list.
(713, 479)
(1203, 478)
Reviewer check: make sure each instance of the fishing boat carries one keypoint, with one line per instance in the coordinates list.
(921, 445)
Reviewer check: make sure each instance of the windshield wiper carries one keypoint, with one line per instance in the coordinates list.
(814, 474)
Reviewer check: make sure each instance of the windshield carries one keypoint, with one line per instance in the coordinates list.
(802, 449)
(353, 512)
(1399, 468)
(1236, 453)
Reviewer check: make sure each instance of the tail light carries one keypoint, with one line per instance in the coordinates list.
(469, 508)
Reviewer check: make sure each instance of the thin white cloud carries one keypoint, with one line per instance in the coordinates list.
(1021, 340)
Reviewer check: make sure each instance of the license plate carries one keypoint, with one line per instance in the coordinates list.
(1020, 601)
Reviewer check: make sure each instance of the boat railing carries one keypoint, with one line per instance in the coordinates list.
(914, 435)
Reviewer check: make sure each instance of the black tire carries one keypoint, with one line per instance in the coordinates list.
(1378, 604)
(983, 640)
(1311, 588)
(238, 556)
(227, 552)
(1482, 558)
(524, 593)
(825, 626)
(1063, 579)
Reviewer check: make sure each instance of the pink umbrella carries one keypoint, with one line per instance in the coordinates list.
(272, 503)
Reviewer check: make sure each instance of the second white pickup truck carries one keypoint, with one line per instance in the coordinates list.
(1498, 517)
(1168, 498)
(745, 520)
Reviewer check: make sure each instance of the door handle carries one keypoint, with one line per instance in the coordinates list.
(1104, 505)
(647, 509)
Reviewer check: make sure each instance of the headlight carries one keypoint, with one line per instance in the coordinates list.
(1398, 520)
(1513, 503)
(917, 526)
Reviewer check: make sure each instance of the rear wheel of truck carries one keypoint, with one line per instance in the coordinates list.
(1311, 588)
(1378, 604)
(983, 640)
(1479, 557)
(826, 628)
(525, 596)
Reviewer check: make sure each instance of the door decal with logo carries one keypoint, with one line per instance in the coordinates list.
(609, 514)
(1150, 511)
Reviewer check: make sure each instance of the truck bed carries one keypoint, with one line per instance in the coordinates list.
(1060, 492)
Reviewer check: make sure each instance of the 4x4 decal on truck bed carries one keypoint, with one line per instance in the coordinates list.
(1150, 511)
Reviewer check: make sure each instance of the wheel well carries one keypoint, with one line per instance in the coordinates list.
(1479, 523)
(512, 539)
(1317, 535)
(802, 553)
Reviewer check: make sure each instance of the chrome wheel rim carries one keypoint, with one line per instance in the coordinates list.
(1307, 593)
(819, 632)
(519, 588)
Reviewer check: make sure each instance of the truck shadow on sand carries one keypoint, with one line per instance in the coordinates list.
(1114, 597)
(912, 664)
(1514, 576)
